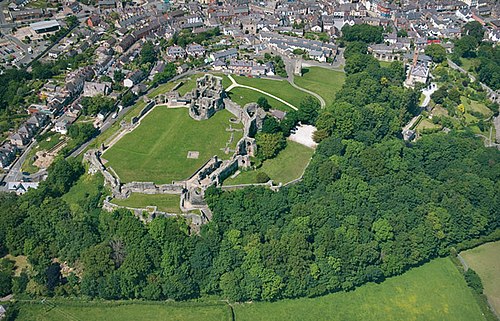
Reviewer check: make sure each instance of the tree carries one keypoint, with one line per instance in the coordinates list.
(148, 53)
(166, 74)
(308, 110)
(474, 29)
(5, 283)
(118, 76)
(355, 47)
(263, 103)
(363, 32)
(439, 95)
(97, 104)
(62, 174)
(128, 99)
(358, 63)
(72, 21)
(269, 145)
(270, 125)
(436, 51)
(82, 132)
(466, 46)
(402, 33)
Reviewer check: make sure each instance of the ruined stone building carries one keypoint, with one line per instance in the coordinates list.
(207, 98)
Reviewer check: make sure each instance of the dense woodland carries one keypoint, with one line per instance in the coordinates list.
(369, 206)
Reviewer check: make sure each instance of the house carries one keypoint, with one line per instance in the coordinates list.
(133, 78)
(176, 52)
(38, 120)
(408, 134)
(240, 67)
(419, 70)
(62, 126)
(126, 43)
(2, 312)
(93, 21)
(7, 155)
(76, 80)
(18, 139)
(195, 50)
(106, 4)
(224, 55)
(21, 187)
(219, 65)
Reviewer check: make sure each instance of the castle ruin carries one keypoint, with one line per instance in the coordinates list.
(203, 102)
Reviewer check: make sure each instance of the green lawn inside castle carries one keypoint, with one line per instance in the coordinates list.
(157, 150)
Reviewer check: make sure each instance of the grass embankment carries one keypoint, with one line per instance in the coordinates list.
(435, 291)
(324, 82)
(485, 260)
(85, 186)
(164, 202)
(156, 151)
(287, 166)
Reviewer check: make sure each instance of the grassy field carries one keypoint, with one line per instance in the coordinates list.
(243, 96)
(485, 260)
(324, 82)
(156, 151)
(123, 311)
(425, 124)
(475, 106)
(279, 88)
(164, 202)
(287, 166)
(435, 291)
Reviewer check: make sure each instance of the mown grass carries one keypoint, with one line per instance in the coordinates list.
(164, 202)
(243, 96)
(156, 151)
(287, 166)
(324, 82)
(435, 291)
(279, 88)
(485, 260)
(123, 311)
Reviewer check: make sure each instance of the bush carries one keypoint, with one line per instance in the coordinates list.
(262, 177)
(473, 280)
